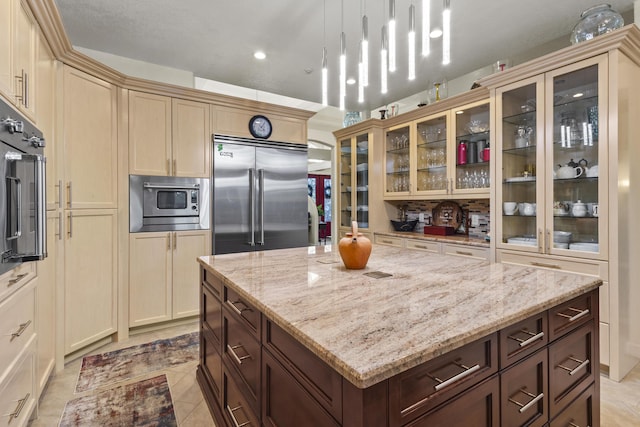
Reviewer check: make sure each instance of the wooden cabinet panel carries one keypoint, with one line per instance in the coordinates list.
(17, 324)
(191, 139)
(242, 350)
(212, 363)
(572, 363)
(420, 389)
(24, 56)
(387, 240)
(465, 251)
(524, 392)
(236, 410)
(568, 316)
(90, 141)
(17, 393)
(580, 413)
(149, 134)
(90, 277)
(211, 312)
(245, 312)
(481, 408)
(523, 339)
(285, 403)
(187, 246)
(149, 278)
(6, 48)
(423, 245)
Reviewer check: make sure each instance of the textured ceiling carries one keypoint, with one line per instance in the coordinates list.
(216, 39)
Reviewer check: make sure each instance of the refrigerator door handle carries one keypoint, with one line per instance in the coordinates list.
(252, 207)
(261, 195)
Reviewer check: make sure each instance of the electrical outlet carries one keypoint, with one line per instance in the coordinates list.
(475, 220)
(421, 217)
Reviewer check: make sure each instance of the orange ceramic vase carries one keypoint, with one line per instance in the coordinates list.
(354, 249)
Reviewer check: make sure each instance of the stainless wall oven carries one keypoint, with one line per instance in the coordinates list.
(22, 193)
(167, 203)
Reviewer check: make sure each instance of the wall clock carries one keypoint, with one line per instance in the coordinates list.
(260, 127)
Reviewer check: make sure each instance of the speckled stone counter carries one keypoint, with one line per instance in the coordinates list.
(457, 239)
(369, 329)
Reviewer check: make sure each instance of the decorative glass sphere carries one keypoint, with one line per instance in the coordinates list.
(595, 21)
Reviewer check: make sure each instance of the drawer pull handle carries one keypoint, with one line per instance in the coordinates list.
(421, 247)
(233, 417)
(236, 309)
(444, 383)
(542, 264)
(581, 365)
(579, 314)
(533, 337)
(524, 407)
(16, 279)
(388, 242)
(23, 327)
(574, 424)
(16, 412)
(232, 350)
(464, 253)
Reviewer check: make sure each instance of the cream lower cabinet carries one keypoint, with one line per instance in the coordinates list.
(163, 278)
(90, 276)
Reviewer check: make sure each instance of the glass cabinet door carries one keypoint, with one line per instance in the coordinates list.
(521, 135)
(346, 189)
(362, 180)
(431, 155)
(397, 160)
(576, 157)
(472, 149)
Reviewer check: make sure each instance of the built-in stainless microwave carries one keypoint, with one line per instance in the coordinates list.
(166, 203)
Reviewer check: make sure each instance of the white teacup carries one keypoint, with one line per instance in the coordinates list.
(529, 209)
(509, 208)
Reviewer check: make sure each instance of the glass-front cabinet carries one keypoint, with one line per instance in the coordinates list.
(443, 155)
(354, 181)
(553, 158)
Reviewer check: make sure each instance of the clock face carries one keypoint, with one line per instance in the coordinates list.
(260, 127)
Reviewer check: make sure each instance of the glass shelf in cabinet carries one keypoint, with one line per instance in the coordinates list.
(403, 172)
(568, 100)
(521, 151)
(526, 118)
(476, 165)
(404, 150)
(520, 180)
(474, 136)
(578, 180)
(434, 144)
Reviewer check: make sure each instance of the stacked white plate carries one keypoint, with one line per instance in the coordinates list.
(585, 246)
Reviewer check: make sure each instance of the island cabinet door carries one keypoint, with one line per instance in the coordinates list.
(478, 407)
(419, 390)
(237, 412)
(524, 391)
(211, 361)
(582, 412)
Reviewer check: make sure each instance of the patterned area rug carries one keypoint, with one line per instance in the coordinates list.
(145, 403)
(105, 369)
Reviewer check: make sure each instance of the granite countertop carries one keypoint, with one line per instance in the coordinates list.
(370, 329)
(458, 239)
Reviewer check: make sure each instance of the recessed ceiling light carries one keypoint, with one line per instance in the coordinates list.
(351, 81)
(435, 33)
(259, 54)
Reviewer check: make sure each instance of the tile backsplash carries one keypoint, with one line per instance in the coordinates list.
(479, 207)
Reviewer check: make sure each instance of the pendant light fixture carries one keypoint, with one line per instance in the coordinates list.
(426, 27)
(384, 67)
(365, 46)
(392, 35)
(412, 43)
(325, 71)
(446, 33)
(360, 78)
(343, 62)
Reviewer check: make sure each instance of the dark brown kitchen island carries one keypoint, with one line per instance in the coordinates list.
(291, 338)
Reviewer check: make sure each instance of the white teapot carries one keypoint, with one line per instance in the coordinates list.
(579, 209)
(592, 172)
(568, 172)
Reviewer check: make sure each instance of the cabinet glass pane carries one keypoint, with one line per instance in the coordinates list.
(575, 160)
(397, 159)
(345, 183)
(362, 181)
(432, 154)
(472, 147)
(519, 168)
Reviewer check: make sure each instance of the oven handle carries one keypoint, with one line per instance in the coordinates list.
(18, 186)
(172, 186)
(252, 207)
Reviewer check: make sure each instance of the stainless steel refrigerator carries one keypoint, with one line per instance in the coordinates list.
(259, 195)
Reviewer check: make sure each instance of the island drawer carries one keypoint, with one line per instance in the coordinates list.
(242, 351)
(571, 314)
(479, 407)
(465, 251)
(211, 362)
(423, 245)
(598, 269)
(213, 282)
(212, 314)
(314, 375)
(245, 312)
(524, 398)
(572, 364)
(420, 389)
(579, 412)
(237, 411)
(523, 338)
(390, 241)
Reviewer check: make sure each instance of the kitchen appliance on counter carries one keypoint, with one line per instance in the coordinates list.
(168, 203)
(23, 204)
(259, 195)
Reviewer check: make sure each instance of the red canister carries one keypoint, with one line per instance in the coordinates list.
(462, 153)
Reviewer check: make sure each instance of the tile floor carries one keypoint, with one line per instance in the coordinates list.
(620, 402)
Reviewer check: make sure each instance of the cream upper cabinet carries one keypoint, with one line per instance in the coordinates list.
(90, 276)
(89, 138)
(168, 137)
(191, 136)
(18, 57)
(552, 148)
(163, 283)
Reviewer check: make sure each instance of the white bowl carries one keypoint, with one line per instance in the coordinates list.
(585, 246)
(560, 245)
(562, 236)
